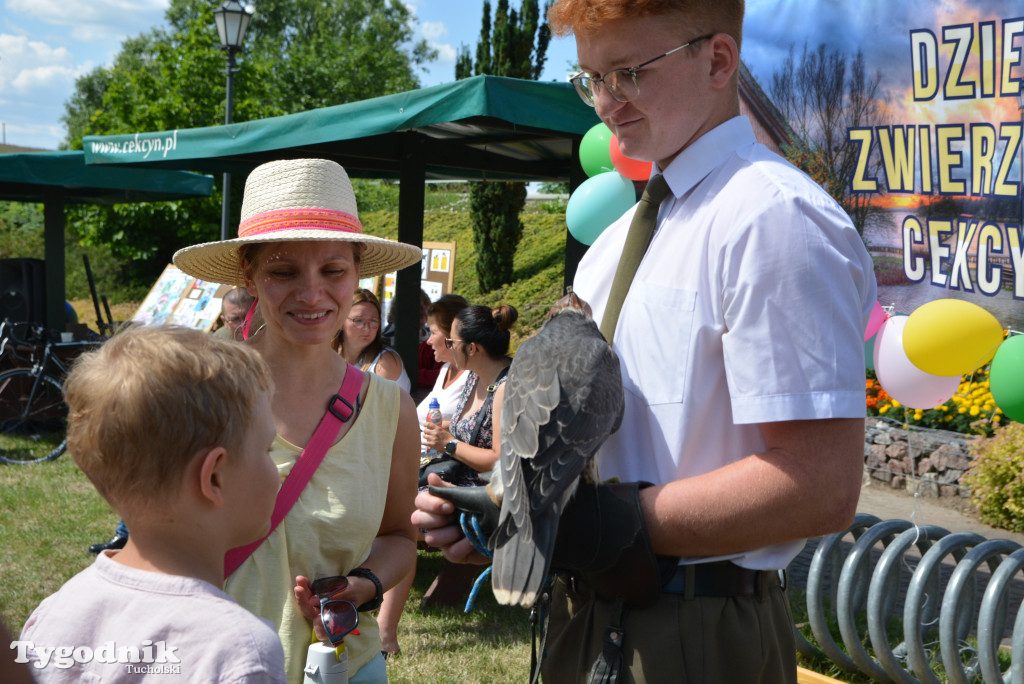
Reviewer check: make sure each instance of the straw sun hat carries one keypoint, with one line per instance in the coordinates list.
(289, 200)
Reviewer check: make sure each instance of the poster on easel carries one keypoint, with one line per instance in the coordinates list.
(179, 299)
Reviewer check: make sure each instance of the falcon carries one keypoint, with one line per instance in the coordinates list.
(563, 398)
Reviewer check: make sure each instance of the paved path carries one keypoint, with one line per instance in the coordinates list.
(887, 504)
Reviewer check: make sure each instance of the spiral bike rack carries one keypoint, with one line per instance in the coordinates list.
(870, 589)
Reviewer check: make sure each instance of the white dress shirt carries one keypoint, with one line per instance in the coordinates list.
(749, 307)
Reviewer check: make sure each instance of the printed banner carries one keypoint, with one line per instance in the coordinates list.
(911, 115)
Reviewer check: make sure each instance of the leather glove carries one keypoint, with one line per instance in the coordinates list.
(603, 539)
(475, 501)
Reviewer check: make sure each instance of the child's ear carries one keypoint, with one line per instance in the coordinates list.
(211, 469)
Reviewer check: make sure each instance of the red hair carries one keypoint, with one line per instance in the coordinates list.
(702, 16)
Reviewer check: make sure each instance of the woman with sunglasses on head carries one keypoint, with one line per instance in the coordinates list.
(479, 343)
(360, 341)
(300, 253)
(450, 378)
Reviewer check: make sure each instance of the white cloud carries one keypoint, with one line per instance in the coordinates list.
(39, 78)
(432, 30)
(123, 15)
(445, 53)
(30, 67)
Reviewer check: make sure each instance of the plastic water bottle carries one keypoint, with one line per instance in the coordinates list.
(434, 416)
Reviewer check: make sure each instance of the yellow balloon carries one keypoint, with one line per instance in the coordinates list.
(951, 337)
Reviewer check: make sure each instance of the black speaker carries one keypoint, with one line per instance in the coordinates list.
(23, 290)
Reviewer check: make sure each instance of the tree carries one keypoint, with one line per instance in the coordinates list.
(515, 46)
(298, 55)
(823, 95)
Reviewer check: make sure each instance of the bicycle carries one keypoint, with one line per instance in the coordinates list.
(33, 415)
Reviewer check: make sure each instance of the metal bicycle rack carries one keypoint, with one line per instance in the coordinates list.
(872, 583)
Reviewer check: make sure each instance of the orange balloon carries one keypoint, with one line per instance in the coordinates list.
(630, 168)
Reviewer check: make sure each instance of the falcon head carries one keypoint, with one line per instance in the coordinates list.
(570, 301)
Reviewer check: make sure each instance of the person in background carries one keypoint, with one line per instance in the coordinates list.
(301, 251)
(429, 366)
(450, 378)
(737, 303)
(447, 389)
(359, 340)
(479, 342)
(208, 469)
(233, 308)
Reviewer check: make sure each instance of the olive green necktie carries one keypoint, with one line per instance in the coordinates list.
(637, 240)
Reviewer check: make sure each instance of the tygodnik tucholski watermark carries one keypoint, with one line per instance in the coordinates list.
(147, 658)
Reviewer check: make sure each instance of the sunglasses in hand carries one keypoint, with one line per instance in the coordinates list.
(338, 616)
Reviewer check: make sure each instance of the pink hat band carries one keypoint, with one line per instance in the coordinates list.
(298, 219)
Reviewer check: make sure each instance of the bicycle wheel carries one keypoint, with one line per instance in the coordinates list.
(33, 424)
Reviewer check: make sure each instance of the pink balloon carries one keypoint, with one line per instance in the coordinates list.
(905, 382)
(875, 321)
(630, 168)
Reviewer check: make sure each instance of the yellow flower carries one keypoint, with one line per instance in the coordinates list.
(896, 404)
(974, 410)
(884, 409)
(961, 410)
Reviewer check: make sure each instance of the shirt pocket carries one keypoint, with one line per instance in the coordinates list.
(653, 338)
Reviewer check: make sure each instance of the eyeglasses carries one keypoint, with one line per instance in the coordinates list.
(621, 83)
(365, 323)
(338, 616)
(449, 342)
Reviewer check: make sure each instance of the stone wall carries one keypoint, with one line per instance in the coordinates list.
(916, 459)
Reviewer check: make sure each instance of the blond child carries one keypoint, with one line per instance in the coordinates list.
(173, 427)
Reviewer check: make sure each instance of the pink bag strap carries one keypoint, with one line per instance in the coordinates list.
(341, 408)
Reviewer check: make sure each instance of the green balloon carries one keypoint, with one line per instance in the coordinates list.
(1006, 377)
(869, 353)
(595, 156)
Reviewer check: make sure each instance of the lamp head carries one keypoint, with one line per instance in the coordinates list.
(232, 22)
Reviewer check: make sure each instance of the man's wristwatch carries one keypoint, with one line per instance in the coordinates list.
(449, 448)
(366, 573)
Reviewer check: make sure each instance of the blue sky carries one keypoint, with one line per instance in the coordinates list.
(46, 44)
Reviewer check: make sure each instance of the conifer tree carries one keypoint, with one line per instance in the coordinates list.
(515, 45)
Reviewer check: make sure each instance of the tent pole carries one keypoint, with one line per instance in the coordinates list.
(53, 250)
(412, 180)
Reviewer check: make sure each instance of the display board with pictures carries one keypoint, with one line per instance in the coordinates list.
(437, 275)
(179, 299)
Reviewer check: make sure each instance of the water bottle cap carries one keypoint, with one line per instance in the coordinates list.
(434, 403)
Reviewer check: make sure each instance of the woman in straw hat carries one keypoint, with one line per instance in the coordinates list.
(300, 252)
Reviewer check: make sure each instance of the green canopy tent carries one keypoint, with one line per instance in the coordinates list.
(481, 128)
(57, 178)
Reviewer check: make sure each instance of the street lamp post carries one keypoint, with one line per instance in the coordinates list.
(232, 21)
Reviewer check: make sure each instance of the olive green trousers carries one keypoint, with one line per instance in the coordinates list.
(706, 640)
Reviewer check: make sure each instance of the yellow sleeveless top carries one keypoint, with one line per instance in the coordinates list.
(327, 532)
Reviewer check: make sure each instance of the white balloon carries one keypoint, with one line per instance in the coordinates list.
(900, 378)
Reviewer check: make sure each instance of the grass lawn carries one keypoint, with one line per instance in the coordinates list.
(51, 514)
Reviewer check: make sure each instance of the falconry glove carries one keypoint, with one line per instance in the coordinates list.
(603, 540)
(474, 501)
